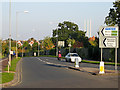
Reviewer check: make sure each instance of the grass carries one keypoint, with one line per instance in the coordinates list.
(47, 56)
(13, 65)
(98, 62)
(6, 77)
(93, 62)
(1, 56)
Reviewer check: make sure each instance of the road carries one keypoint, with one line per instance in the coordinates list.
(41, 72)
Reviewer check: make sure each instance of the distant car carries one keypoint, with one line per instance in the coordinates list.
(70, 57)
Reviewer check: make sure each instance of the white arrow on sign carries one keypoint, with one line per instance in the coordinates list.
(109, 42)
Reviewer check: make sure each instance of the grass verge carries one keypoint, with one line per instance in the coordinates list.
(6, 77)
(47, 56)
(13, 64)
(98, 62)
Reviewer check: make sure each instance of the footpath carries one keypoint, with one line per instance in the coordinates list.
(95, 71)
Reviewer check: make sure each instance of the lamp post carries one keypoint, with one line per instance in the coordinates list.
(17, 28)
(38, 47)
(56, 42)
(22, 50)
(69, 46)
(9, 62)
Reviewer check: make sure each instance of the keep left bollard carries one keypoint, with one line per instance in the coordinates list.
(76, 63)
(101, 68)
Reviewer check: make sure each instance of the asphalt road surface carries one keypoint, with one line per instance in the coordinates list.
(41, 72)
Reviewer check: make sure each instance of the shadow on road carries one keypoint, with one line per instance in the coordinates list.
(56, 65)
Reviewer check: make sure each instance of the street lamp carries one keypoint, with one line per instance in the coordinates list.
(56, 42)
(69, 46)
(17, 28)
(9, 62)
(38, 47)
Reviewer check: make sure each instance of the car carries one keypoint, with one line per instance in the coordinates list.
(70, 57)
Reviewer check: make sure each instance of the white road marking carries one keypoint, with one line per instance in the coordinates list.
(50, 62)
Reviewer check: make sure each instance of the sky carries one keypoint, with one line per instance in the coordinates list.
(43, 17)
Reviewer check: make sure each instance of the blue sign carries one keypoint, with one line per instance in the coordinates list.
(109, 28)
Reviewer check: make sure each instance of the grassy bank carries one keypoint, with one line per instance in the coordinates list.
(47, 56)
(1, 56)
(13, 65)
(7, 77)
(98, 62)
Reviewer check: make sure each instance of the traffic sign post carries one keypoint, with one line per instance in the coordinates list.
(109, 38)
(69, 46)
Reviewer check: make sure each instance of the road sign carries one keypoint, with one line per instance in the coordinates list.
(11, 52)
(109, 37)
(61, 44)
(109, 31)
(108, 42)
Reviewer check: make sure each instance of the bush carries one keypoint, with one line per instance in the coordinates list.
(52, 52)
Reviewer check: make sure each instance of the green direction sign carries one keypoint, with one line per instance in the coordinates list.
(108, 37)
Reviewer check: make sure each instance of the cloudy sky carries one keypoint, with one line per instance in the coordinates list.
(43, 17)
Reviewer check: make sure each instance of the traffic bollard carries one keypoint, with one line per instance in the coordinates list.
(101, 68)
(76, 63)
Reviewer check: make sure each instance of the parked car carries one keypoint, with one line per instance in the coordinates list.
(70, 57)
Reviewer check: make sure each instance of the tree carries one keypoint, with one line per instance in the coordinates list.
(35, 47)
(65, 30)
(72, 41)
(114, 18)
(70, 30)
(78, 44)
(5, 47)
(114, 15)
(27, 46)
(47, 43)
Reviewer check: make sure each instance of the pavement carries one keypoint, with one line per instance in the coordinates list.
(3, 64)
(93, 71)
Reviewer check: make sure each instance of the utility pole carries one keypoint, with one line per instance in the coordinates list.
(84, 25)
(38, 47)
(56, 42)
(9, 63)
(90, 27)
(16, 32)
(17, 27)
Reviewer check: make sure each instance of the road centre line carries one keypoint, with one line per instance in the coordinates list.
(45, 61)
(51, 63)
